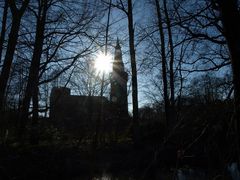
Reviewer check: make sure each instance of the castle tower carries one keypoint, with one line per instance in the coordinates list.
(56, 96)
(118, 95)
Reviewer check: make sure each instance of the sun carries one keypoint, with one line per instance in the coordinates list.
(103, 63)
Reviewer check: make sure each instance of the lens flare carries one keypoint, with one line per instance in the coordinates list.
(103, 63)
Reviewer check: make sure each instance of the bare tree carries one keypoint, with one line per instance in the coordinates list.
(134, 71)
(32, 84)
(210, 23)
(202, 28)
(230, 17)
(17, 14)
(169, 102)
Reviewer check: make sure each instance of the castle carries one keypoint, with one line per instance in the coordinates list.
(80, 114)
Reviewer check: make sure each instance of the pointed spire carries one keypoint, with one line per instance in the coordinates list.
(118, 62)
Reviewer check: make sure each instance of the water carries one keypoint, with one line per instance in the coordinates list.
(190, 174)
(234, 171)
(110, 177)
(186, 174)
(182, 174)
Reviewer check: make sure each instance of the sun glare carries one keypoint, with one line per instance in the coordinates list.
(103, 63)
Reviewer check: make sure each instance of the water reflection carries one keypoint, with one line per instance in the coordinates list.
(187, 174)
(182, 174)
(234, 171)
(110, 177)
(104, 177)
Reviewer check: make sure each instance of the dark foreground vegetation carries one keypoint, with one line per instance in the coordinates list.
(199, 146)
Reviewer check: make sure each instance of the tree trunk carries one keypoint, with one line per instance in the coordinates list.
(172, 114)
(231, 23)
(12, 42)
(172, 97)
(34, 136)
(3, 31)
(164, 68)
(33, 80)
(134, 73)
(100, 119)
(5, 73)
